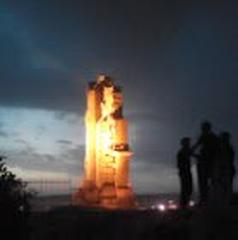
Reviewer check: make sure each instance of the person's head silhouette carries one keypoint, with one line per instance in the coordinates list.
(206, 127)
(185, 142)
(225, 137)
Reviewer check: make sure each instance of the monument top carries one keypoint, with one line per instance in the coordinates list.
(102, 78)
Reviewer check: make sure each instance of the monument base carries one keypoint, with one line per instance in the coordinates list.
(108, 196)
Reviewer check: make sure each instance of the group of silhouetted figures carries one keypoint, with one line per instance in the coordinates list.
(214, 165)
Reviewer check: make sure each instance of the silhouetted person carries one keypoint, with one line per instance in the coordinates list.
(184, 168)
(224, 171)
(208, 144)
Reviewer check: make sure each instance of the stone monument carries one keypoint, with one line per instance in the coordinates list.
(106, 178)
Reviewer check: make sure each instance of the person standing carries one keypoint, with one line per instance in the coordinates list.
(208, 144)
(184, 171)
(224, 171)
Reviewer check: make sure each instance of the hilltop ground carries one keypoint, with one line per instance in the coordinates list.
(76, 223)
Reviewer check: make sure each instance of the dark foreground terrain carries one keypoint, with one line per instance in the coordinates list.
(76, 223)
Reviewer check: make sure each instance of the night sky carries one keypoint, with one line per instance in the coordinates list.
(177, 62)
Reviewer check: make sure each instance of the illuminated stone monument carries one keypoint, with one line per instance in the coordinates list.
(106, 178)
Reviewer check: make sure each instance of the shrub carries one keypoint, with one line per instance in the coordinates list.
(14, 204)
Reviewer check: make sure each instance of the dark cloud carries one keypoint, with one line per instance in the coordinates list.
(67, 116)
(47, 58)
(171, 54)
(69, 162)
(64, 142)
(3, 134)
(21, 141)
